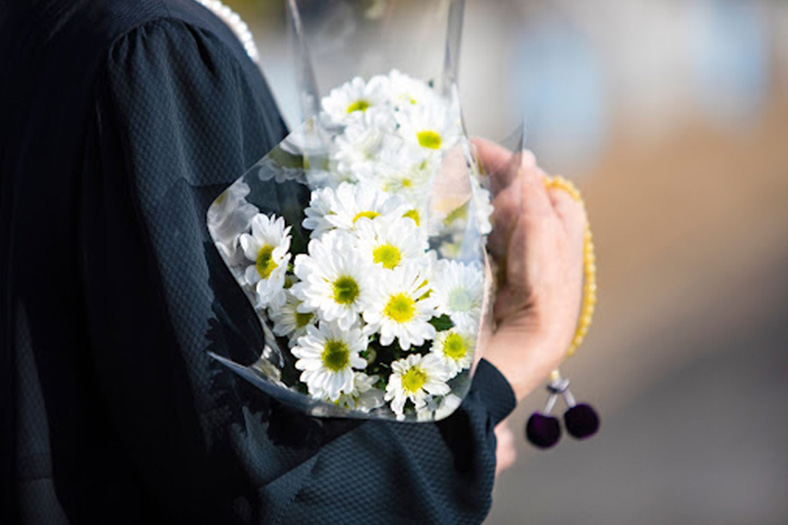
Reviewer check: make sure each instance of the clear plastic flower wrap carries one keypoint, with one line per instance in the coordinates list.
(360, 239)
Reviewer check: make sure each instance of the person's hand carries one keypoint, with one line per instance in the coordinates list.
(538, 242)
(505, 451)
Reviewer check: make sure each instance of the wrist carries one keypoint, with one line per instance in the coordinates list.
(525, 355)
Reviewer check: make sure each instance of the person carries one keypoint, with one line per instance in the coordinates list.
(119, 123)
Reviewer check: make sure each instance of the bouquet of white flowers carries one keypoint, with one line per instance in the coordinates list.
(359, 240)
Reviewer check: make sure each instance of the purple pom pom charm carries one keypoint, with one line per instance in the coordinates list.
(581, 421)
(544, 431)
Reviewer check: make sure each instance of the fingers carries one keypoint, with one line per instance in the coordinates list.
(500, 163)
(535, 200)
(570, 210)
(491, 155)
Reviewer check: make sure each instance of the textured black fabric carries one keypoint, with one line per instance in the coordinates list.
(120, 122)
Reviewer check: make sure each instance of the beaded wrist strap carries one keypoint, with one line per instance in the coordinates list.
(589, 270)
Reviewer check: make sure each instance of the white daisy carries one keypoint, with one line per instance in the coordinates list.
(455, 347)
(459, 289)
(432, 127)
(482, 207)
(390, 242)
(267, 247)
(229, 216)
(335, 280)
(405, 169)
(321, 204)
(415, 378)
(288, 321)
(447, 406)
(327, 354)
(351, 100)
(401, 309)
(356, 201)
(363, 396)
(407, 91)
(436, 408)
(357, 148)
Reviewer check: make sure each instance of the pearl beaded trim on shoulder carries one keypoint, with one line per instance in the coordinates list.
(236, 24)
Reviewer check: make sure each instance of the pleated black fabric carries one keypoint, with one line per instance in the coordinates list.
(120, 122)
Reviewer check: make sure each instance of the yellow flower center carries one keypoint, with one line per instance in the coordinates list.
(388, 255)
(413, 380)
(265, 263)
(358, 105)
(367, 214)
(413, 214)
(455, 346)
(336, 355)
(429, 139)
(301, 320)
(400, 308)
(345, 290)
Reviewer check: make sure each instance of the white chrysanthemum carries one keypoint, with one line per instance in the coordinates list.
(455, 348)
(438, 407)
(327, 354)
(447, 406)
(357, 149)
(335, 280)
(432, 127)
(321, 204)
(267, 247)
(363, 396)
(355, 201)
(391, 242)
(459, 289)
(351, 100)
(407, 91)
(399, 308)
(415, 378)
(229, 216)
(288, 321)
(483, 208)
(405, 169)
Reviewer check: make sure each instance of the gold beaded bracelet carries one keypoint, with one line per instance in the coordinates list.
(589, 268)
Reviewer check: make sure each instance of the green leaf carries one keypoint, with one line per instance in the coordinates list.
(442, 323)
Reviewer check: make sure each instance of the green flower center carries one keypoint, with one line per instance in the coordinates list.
(367, 214)
(265, 263)
(388, 255)
(460, 300)
(400, 308)
(345, 290)
(301, 320)
(455, 346)
(358, 105)
(413, 214)
(413, 380)
(336, 355)
(429, 139)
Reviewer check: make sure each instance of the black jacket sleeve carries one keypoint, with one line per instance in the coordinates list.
(177, 117)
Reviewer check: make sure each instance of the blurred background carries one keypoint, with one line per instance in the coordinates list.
(672, 117)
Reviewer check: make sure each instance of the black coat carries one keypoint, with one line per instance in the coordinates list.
(120, 122)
